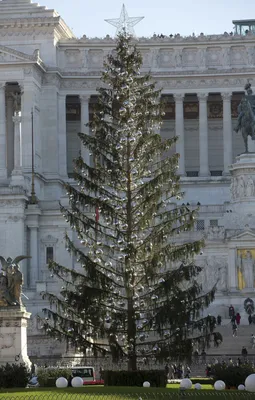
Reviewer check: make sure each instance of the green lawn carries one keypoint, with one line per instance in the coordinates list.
(121, 393)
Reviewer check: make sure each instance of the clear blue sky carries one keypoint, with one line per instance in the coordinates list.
(161, 16)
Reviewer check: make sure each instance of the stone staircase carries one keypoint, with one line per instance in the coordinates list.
(233, 345)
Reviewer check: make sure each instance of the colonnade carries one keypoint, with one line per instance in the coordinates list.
(180, 130)
(24, 120)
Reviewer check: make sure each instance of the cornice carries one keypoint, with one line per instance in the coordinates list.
(167, 41)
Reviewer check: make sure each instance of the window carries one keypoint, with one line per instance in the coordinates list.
(216, 173)
(192, 173)
(200, 225)
(49, 254)
(213, 222)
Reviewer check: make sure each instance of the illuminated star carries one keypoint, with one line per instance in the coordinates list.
(124, 23)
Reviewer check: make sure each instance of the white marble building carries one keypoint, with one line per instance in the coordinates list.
(45, 68)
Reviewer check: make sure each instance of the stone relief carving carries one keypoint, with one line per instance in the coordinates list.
(201, 58)
(250, 53)
(96, 58)
(7, 340)
(73, 58)
(178, 58)
(189, 57)
(225, 56)
(238, 55)
(242, 186)
(215, 269)
(215, 232)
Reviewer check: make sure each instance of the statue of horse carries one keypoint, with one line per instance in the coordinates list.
(246, 117)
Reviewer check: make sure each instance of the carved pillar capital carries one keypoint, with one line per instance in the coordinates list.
(202, 97)
(178, 97)
(84, 98)
(226, 96)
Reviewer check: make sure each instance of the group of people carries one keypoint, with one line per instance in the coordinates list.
(177, 371)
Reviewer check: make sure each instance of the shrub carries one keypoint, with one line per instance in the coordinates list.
(14, 376)
(202, 381)
(47, 376)
(232, 375)
(157, 378)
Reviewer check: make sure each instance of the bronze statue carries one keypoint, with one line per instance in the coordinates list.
(246, 116)
(11, 281)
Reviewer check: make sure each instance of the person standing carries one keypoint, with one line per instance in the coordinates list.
(234, 328)
(231, 311)
(252, 341)
(238, 318)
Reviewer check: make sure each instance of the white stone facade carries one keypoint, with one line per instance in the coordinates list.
(44, 68)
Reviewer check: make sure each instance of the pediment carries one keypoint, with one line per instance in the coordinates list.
(247, 235)
(8, 55)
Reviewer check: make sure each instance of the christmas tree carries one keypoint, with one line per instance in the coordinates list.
(136, 294)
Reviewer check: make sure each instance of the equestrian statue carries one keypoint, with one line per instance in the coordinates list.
(246, 116)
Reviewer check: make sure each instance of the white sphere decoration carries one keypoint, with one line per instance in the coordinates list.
(61, 383)
(241, 387)
(219, 385)
(250, 383)
(146, 384)
(197, 386)
(186, 384)
(77, 381)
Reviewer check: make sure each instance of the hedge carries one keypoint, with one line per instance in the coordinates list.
(232, 375)
(14, 376)
(47, 376)
(157, 378)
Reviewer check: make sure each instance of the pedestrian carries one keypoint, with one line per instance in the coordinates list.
(233, 319)
(203, 354)
(234, 328)
(219, 320)
(252, 341)
(250, 319)
(238, 318)
(167, 371)
(244, 352)
(231, 311)
(188, 371)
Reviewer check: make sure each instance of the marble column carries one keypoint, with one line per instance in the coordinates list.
(3, 164)
(203, 135)
(33, 214)
(232, 271)
(27, 104)
(17, 176)
(10, 134)
(179, 131)
(85, 129)
(227, 132)
(62, 135)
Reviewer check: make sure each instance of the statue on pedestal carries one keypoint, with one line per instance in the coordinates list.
(11, 281)
(246, 116)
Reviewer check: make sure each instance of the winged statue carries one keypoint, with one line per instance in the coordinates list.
(11, 281)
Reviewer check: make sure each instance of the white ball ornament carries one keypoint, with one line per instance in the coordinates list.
(77, 381)
(241, 387)
(197, 386)
(219, 385)
(61, 383)
(146, 384)
(186, 384)
(250, 383)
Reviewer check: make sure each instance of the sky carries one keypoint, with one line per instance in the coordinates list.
(163, 16)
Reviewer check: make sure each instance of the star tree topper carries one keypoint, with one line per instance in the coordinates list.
(124, 22)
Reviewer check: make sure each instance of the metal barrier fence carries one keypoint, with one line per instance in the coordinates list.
(149, 395)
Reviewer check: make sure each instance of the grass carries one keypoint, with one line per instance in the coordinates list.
(121, 393)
